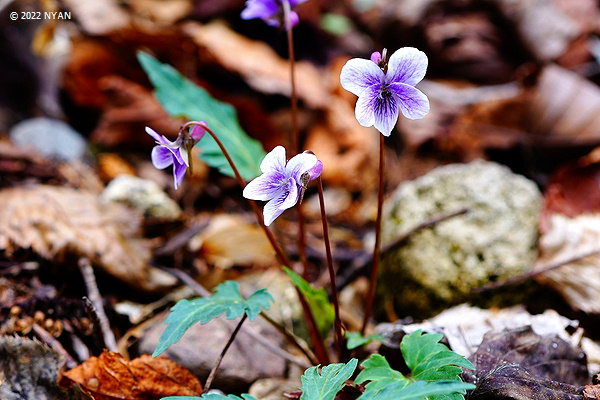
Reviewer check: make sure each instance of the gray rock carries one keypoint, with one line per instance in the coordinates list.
(143, 195)
(494, 241)
(50, 138)
(245, 361)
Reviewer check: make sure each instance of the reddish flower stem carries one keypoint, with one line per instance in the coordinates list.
(317, 340)
(376, 250)
(336, 306)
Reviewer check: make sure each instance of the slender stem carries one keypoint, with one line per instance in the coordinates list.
(290, 42)
(216, 366)
(375, 264)
(317, 340)
(336, 306)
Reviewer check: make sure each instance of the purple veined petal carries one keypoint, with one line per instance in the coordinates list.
(263, 9)
(386, 112)
(300, 164)
(160, 139)
(365, 106)
(359, 74)
(161, 157)
(178, 173)
(274, 160)
(413, 103)
(178, 156)
(273, 209)
(407, 65)
(292, 195)
(264, 187)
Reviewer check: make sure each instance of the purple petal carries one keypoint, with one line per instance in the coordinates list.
(263, 9)
(181, 158)
(197, 133)
(160, 139)
(294, 3)
(178, 173)
(376, 57)
(161, 157)
(386, 112)
(273, 209)
(274, 160)
(315, 171)
(407, 65)
(413, 103)
(358, 75)
(264, 187)
(365, 106)
(292, 197)
(300, 164)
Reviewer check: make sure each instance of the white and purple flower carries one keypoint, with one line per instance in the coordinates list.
(281, 184)
(384, 86)
(166, 152)
(270, 11)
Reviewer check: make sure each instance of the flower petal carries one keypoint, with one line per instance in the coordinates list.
(178, 173)
(359, 74)
(197, 133)
(273, 209)
(263, 9)
(161, 157)
(264, 187)
(274, 160)
(407, 65)
(365, 106)
(315, 171)
(300, 164)
(160, 139)
(181, 158)
(386, 112)
(292, 197)
(413, 103)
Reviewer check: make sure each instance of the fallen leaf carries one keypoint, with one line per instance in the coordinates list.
(110, 377)
(258, 64)
(55, 222)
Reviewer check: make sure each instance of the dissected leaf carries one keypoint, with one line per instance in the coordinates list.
(212, 396)
(417, 390)
(111, 377)
(226, 299)
(29, 371)
(355, 339)
(56, 222)
(317, 300)
(180, 97)
(377, 370)
(324, 386)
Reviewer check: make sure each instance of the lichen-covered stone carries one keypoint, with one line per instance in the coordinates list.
(493, 241)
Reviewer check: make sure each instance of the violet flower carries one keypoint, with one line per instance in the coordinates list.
(270, 11)
(177, 152)
(281, 184)
(382, 87)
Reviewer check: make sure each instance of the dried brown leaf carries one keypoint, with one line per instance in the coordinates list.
(110, 376)
(258, 64)
(55, 221)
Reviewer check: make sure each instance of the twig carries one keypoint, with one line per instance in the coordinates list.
(534, 272)
(95, 300)
(211, 376)
(54, 345)
(376, 250)
(339, 337)
(181, 239)
(201, 291)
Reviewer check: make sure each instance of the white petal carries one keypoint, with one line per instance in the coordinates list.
(274, 160)
(413, 103)
(292, 197)
(365, 107)
(264, 187)
(358, 74)
(407, 65)
(300, 164)
(273, 209)
(386, 113)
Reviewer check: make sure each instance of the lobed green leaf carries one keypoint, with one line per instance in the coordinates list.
(377, 370)
(355, 339)
(211, 396)
(418, 390)
(182, 98)
(226, 299)
(325, 386)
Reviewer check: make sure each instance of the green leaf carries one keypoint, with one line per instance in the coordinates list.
(377, 370)
(416, 390)
(226, 299)
(317, 300)
(355, 339)
(431, 361)
(326, 385)
(211, 396)
(182, 98)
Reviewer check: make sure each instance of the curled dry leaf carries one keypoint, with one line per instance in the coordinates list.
(54, 222)
(258, 64)
(229, 240)
(110, 377)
